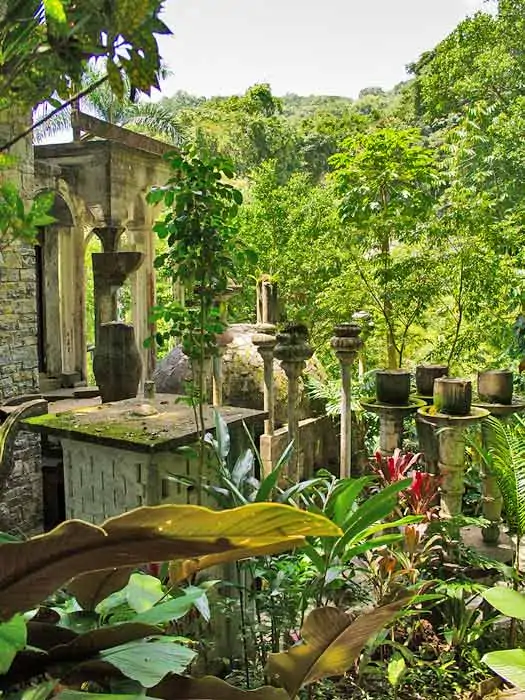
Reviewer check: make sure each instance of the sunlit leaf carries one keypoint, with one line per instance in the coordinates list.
(331, 642)
(13, 636)
(34, 569)
(509, 664)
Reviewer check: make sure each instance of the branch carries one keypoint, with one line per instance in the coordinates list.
(47, 117)
(408, 323)
(460, 314)
(377, 300)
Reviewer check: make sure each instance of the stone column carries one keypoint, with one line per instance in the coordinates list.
(292, 350)
(452, 471)
(451, 460)
(267, 301)
(223, 340)
(390, 433)
(346, 343)
(265, 343)
(110, 271)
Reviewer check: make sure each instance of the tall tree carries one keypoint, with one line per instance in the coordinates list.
(387, 181)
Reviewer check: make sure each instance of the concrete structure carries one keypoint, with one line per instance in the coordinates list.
(100, 187)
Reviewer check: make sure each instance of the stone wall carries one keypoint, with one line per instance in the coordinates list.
(21, 503)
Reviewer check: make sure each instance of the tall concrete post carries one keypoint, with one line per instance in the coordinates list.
(292, 349)
(265, 342)
(346, 344)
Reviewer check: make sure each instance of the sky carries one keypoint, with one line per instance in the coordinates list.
(332, 47)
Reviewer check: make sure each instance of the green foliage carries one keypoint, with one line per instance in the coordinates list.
(46, 45)
(199, 225)
(19, 221)
(387, 181)
(125, 110)
(507, 663)
(504, 457)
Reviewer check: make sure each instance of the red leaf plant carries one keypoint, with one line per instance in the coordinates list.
(421, 496)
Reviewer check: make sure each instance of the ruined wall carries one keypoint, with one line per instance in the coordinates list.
(21, 503)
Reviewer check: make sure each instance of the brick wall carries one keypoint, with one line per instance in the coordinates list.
(21, 502)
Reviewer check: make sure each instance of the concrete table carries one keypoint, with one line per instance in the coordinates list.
(118, 456)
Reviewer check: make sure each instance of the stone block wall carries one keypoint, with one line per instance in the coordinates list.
(21, 502)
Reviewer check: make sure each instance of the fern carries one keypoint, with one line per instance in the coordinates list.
(505, 459)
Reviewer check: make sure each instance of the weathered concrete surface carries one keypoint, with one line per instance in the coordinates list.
(243, 376)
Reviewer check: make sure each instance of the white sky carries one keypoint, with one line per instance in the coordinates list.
(333, 47)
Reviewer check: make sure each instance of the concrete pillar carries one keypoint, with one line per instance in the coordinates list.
(390, 432)
(267, 301)
(265, 343)
(346, 343)
(110, 271)
(143, 297)
(223, 340)
(451, 470)
(292, 350)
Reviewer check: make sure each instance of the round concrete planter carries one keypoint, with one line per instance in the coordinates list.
(496, 386)
(117, 365)
(393, 386)
(425, 376)
(453, 396)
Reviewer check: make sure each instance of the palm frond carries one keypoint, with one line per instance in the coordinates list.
(153, 119)
(56, 125)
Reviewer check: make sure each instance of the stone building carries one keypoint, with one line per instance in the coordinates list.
(100, 186)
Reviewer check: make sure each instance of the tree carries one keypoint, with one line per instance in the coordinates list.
(46, 46)
(387, 181)
(292, 226)
(247, 129)
(147, 117)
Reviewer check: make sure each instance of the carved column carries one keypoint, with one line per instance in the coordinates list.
(267, 301)
(223, 340)
(265, 342)
(110, 271)
(346, 343)
(292, 350)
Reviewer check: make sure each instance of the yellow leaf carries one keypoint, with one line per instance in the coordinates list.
(331, 642)
(32, 570)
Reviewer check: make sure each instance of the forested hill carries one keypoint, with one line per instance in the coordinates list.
(297, 106)
(297, 132)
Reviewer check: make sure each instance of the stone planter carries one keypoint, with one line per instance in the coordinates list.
(393, 386)
(496, 386)
(425, 376)
(117, 365)
(453, 396)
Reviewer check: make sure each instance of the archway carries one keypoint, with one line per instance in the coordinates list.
(60, 300)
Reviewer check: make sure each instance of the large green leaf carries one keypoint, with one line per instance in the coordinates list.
(172, 609)
(31, 570)
(91, 643)
(148, 661)
(331, 642)
(509, 664)
(507, 601)
(13, 636)
(211, 688)
(141, 593)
